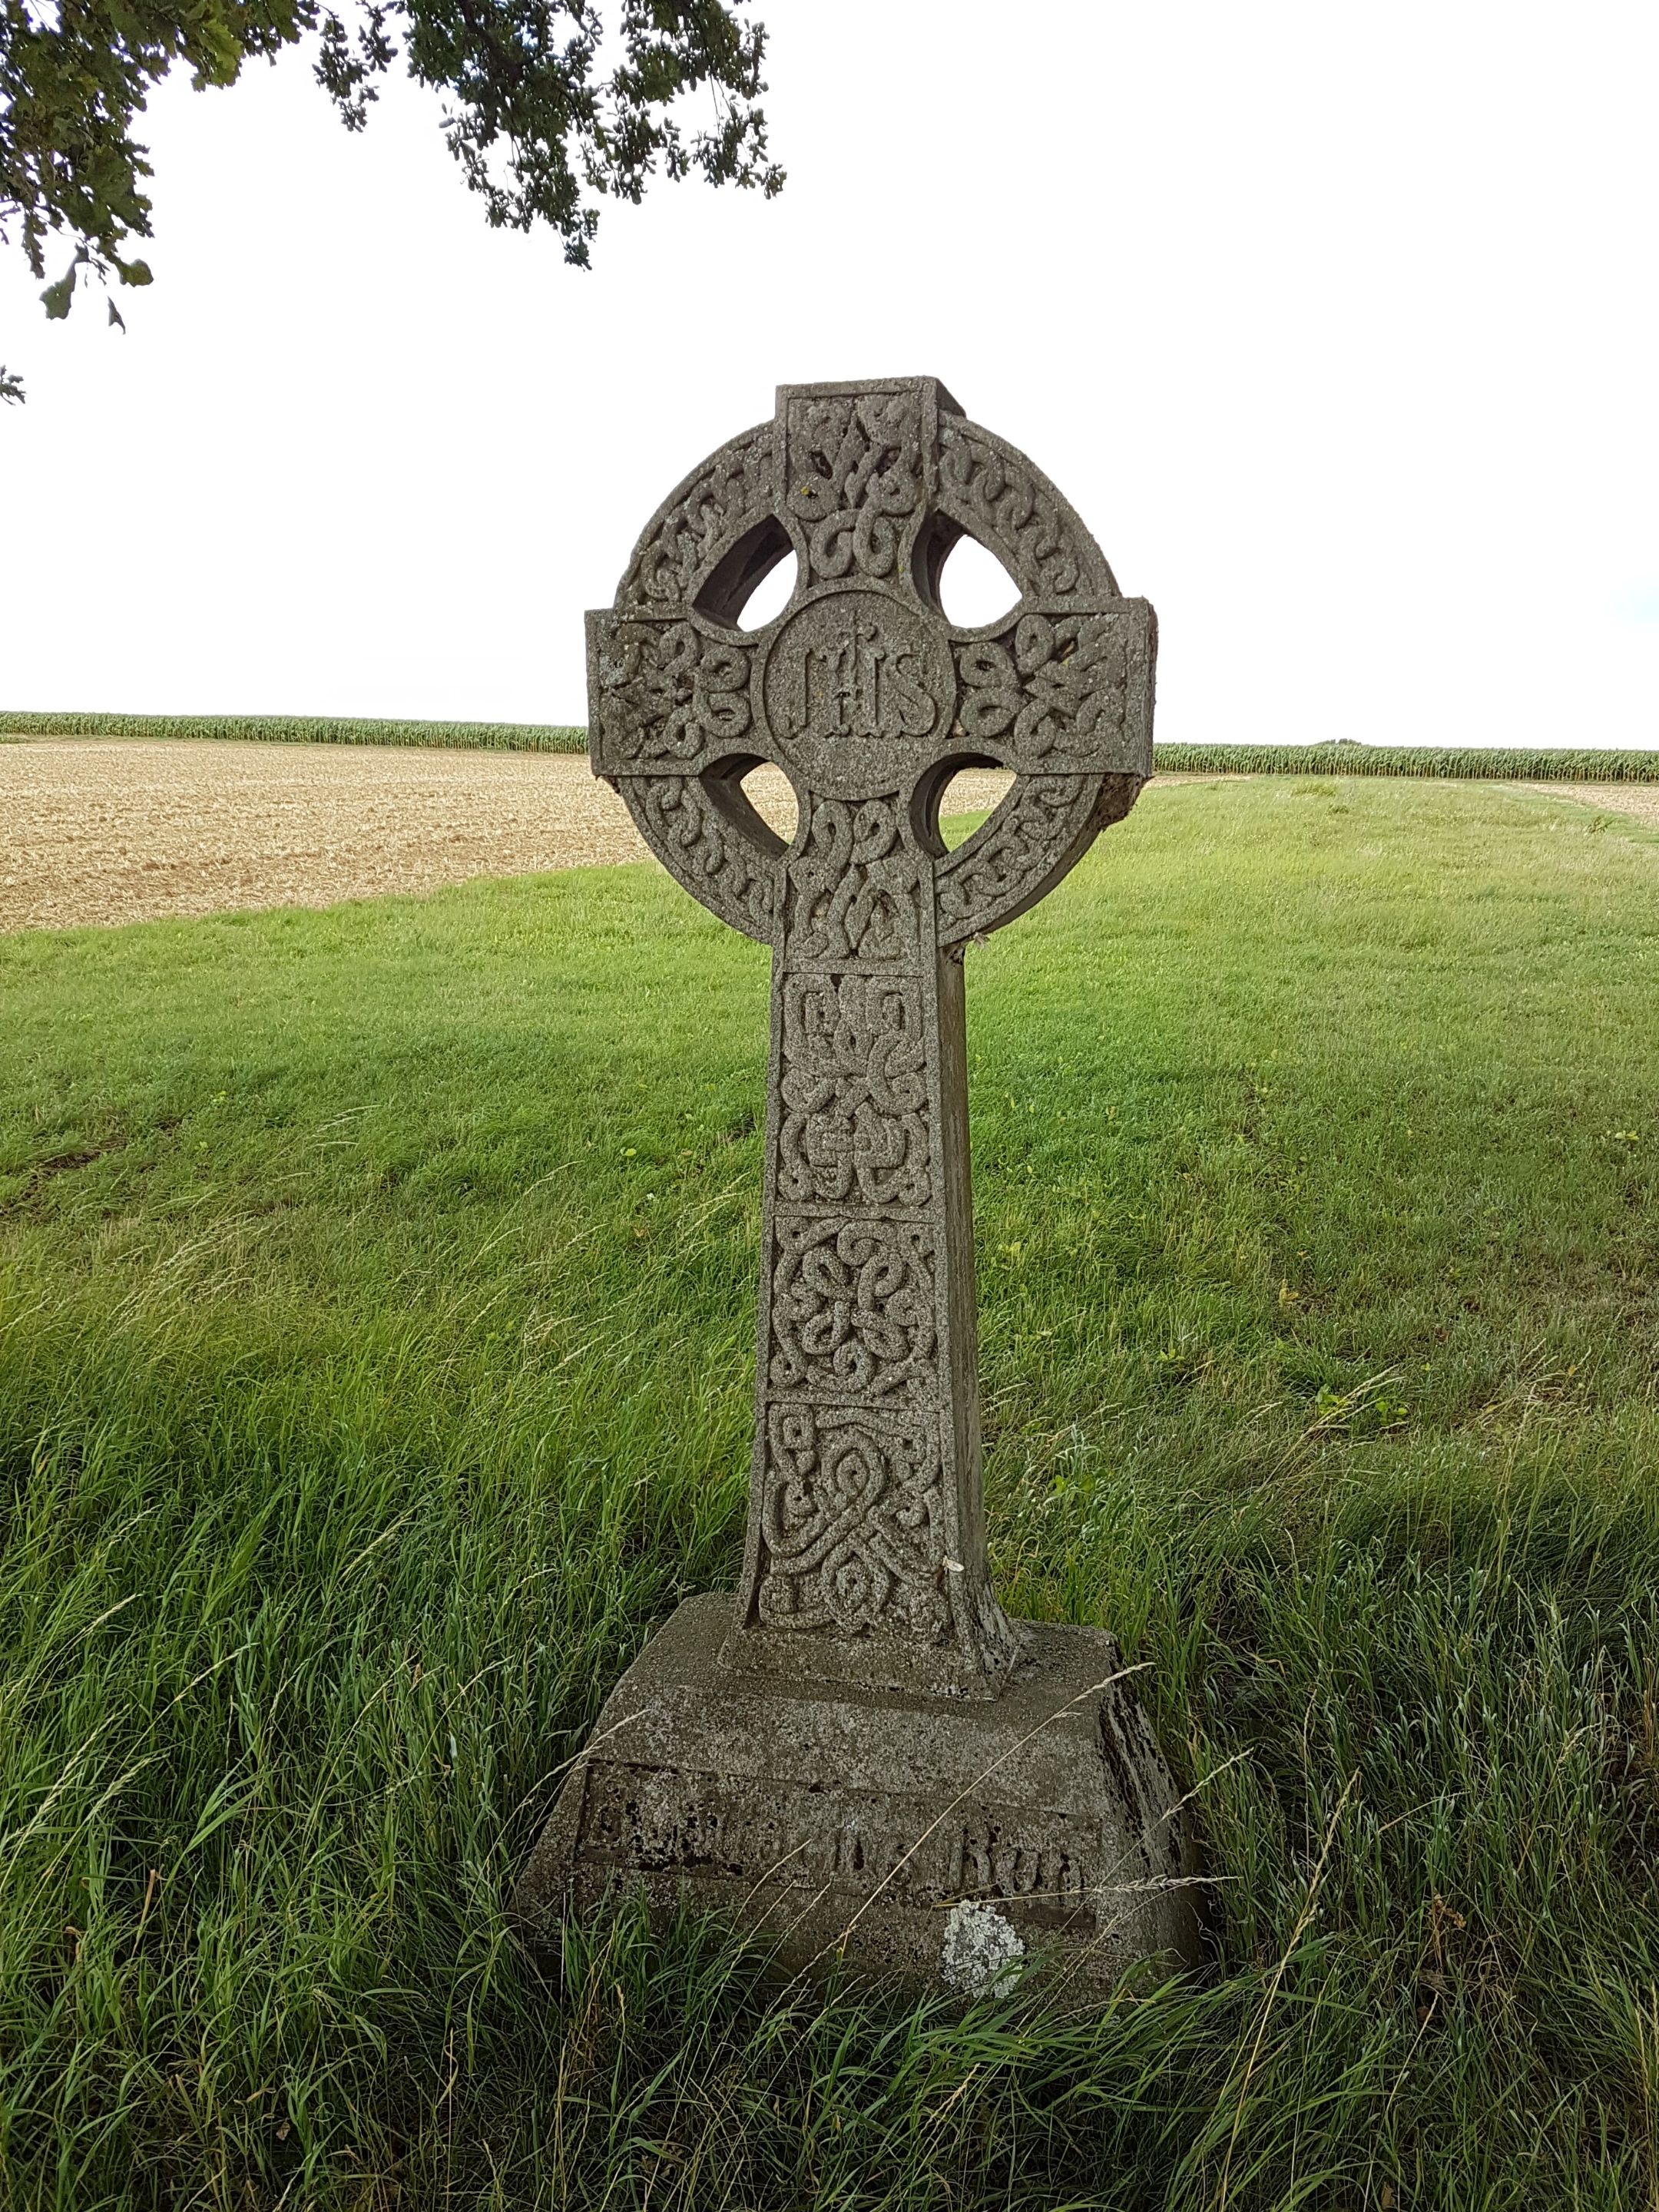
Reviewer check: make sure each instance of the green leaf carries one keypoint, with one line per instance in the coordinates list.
(57, 296)
(115, 316)
(11, 387)
(134, 272)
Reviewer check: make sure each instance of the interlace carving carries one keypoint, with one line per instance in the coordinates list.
(854, 474)
(698, 522)
(854, 1084)
(709, 854)
(1011, 860)
(668, 694)
(852, 1516)
(1053, 686)
(853, 1309)
(866, 1559)
(1002, 502)
(855, 886)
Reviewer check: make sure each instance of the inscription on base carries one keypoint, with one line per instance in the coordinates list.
(659, 1819)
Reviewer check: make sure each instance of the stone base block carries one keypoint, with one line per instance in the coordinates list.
(846, 1824)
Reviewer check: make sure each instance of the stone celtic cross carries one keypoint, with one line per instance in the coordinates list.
(861, 1756)
(866, 1561)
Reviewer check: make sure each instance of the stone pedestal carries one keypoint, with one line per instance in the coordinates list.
(837, 1823)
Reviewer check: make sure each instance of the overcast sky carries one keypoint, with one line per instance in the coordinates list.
(1337, 325)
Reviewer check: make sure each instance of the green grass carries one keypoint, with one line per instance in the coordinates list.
(301, 730)
(375, 1310)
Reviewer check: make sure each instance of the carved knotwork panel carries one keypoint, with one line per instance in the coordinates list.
(854, 1308)
(856, 469)
(667, 693)
(853, 1522)
(1060, 692)
(854, 1089)
(856, 884)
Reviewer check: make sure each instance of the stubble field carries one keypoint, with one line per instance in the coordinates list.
(109, 830)
(376, 1289)
(114, 831)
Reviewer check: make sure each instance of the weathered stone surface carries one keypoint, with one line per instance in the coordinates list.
(865, 1570)
(844, 1824)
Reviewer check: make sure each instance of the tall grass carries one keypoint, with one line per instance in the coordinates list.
(374, 1369)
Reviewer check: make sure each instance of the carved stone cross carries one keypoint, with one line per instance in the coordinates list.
(789, 1756)
(866, 1558)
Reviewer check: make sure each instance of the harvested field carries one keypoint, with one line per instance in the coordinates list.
(97, 830)
(111, 830)
(1639, 799)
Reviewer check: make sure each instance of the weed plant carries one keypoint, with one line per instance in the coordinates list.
(376, 1293)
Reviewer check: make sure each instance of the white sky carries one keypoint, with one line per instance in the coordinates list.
(1337, 325)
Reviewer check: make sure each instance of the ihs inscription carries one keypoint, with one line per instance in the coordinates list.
(853, 687)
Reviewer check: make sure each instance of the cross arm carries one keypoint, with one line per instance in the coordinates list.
(671, 732)
(1062, 692)
(1065, 698)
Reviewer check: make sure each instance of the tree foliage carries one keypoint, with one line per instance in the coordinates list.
(545, 117)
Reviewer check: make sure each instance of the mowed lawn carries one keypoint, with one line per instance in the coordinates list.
(376, 1297)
